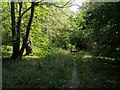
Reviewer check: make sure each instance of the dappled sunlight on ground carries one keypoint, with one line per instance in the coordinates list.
(31, 57)
(107, 58)
(52, 71)
(87, 56)
(97, 72)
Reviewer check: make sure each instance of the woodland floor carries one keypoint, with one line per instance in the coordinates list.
(62, 70)
(94, 72)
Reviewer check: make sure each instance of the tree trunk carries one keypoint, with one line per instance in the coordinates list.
(15, 51)
(15, 34)
(27, 31)
(18, 28)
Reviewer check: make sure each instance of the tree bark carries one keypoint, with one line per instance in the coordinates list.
(18, 28)
(14, 55)
(15, 33)
(27, 31)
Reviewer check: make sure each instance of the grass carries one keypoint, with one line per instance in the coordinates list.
(97, 72)
(49, 71)
(53, 69)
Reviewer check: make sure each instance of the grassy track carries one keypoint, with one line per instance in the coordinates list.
(54, 70)
(97, 72)
(51, 71)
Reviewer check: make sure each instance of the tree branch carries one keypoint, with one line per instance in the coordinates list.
(73, 5)
(39, 2)
(28, 30)
(64, 13)
(63, 5)
(29, 8)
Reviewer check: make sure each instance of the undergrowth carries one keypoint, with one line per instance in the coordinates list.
(52, 70)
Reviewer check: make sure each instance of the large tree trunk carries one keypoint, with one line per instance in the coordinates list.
(18, 28)
(15, 34)
(15, 50)
(27, 31)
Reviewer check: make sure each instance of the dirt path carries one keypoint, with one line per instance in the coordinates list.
(74, 82)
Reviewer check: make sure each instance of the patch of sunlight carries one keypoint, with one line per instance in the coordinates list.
(87, 56)
(31, 57)
(107, 58)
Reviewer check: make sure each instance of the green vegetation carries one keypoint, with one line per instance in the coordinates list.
(55, 37)
(97, 29)
(51, 71)
(96, 72)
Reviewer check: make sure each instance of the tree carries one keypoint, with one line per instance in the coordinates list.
(101, 22)
(17, 52)
(27, 31)
(16, 26)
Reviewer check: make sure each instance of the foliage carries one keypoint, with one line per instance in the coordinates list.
(6, 28)
(6, 51)
(98, 23)
(48, 23)
(54, 31)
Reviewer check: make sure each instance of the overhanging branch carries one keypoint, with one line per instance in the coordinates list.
(29, 9)
(39, 2)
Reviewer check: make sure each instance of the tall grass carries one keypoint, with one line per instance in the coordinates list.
(52, 70)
